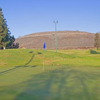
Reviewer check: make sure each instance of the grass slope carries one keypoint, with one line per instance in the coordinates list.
(68, 75)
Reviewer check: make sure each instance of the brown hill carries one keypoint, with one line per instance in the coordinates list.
(65, 40)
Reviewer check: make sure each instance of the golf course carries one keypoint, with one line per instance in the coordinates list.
(67, 75)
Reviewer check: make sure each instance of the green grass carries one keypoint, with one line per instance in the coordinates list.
(68, 75)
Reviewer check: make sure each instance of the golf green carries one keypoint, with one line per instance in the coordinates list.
(64, 76)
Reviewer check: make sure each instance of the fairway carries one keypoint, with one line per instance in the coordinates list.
(68, 75)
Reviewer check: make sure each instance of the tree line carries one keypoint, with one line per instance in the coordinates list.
(97, 40)
(6, 40)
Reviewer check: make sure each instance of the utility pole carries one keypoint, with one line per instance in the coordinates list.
(55, 34)
(53, 41)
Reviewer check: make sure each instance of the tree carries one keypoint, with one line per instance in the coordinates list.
(5, 39)
(97, 40)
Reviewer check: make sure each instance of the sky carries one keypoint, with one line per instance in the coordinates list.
(32, 16)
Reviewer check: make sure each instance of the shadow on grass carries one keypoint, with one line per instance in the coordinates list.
(31, 52)
(6, 71)
(61, 84)
(93, 52)
(12, 69)
(39, 53)
(29, 60)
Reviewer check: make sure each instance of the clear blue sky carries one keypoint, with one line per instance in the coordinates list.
(30, 16)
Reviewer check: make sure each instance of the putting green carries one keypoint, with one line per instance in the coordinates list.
(68, 75)
(55, 83)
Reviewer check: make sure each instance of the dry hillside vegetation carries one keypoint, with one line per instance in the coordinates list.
(65, 40)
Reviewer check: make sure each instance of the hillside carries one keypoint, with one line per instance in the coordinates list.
(65, 40)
